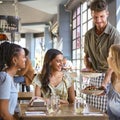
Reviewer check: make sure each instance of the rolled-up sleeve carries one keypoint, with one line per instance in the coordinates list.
(68, 79)
(36, 81)
(117, 38)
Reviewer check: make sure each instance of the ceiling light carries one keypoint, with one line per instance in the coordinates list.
(10, 24)
(1, 1)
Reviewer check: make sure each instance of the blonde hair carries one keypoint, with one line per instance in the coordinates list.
(115, 52)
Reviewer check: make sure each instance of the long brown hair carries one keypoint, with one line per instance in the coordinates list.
(46, 69)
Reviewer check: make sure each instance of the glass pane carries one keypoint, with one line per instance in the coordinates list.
(74, 63)
(74, 54)
(82, 53)
(74, 14)
(78, 74)
(78, 53)
(90, 24)
(78, 42)
(89, 14)
(84, 6)
(74, 44)
(74, 23)
(78, 20)
(78, 64)
(84, 17)
(82, 65)
(74, 34)
(78, 31)
(82, 41)
(84, 28)
(78, 10)
(22, 42)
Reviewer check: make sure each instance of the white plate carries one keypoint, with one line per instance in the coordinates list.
(90, 74)
(92, 92)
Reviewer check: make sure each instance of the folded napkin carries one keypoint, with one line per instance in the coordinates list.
(35, 113)
(93, 114)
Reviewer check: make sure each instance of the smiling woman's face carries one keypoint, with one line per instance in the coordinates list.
(57, 63)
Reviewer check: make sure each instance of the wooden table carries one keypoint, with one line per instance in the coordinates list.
(66, 112)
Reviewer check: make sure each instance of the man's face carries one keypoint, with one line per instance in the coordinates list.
(100, 18)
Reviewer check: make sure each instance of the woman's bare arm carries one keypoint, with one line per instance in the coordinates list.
(71, 94)
(107, 78)
(4, 113)
(37, 91)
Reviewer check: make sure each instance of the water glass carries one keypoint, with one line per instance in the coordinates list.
(79, 105)
(53, 104)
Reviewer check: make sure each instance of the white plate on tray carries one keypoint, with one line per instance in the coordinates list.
(90, 74)
(92, 92)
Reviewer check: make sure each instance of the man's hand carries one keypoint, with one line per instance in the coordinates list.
(102, 88)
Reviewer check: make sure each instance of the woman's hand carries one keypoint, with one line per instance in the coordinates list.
(63, 101)
(34, 98)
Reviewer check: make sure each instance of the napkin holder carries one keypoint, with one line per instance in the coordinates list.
(39, 103)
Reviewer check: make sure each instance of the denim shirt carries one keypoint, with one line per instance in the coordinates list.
(113, 103)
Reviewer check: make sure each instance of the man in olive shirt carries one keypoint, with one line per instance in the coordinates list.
(97, 43)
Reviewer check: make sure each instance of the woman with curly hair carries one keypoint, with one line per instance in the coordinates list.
(12, 58)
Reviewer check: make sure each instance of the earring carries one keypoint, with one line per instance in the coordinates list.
(15, 64)
(5, 67)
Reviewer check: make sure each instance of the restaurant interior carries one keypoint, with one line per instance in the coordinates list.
(40, 25)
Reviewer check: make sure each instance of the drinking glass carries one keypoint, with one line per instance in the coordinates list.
(79, 105)
(53, 104)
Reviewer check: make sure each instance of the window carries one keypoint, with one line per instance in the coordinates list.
(39, 52)
(21, 42)
(81, 23)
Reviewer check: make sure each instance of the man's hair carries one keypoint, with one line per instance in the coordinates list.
(98, 5)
